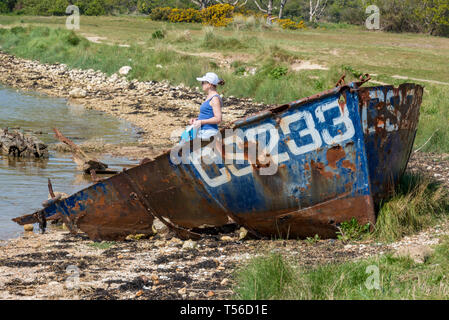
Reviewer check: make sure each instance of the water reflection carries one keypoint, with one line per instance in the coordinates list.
(24, 165)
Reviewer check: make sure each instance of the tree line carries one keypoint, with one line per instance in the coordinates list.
(425, 16)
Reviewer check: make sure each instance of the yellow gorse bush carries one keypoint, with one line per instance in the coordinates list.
(290, 24)
(184, 15)
(219, 15)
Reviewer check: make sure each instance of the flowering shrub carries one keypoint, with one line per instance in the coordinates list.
(184, 15)
(289, 24)
(219, 15)
(160, 13)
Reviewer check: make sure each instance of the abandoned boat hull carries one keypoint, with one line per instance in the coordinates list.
(389, 121)
(322, 176)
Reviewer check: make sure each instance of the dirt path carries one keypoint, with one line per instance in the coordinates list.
(421, 80)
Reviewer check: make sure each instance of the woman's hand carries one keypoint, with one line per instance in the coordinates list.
(197, 123)
(191, 121)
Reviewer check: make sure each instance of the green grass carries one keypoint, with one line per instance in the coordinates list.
(264, 278)
(417, 204)
(102, 245)
(398, 278)
(191, 49)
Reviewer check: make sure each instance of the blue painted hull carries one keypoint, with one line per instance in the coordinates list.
(389, 121)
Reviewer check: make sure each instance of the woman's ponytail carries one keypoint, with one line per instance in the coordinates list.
(221, 82)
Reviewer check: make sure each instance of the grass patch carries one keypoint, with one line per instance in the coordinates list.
(383, 277)
(215, 42)
(417, 204)
(102, 245)
(264, 278)
(351, 230)
(434, 120)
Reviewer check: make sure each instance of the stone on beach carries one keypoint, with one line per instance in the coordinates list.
(419, 253)
(124, 70)
(78, 93)
(189, 245)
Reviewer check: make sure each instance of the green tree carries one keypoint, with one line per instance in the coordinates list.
(95, 8)
(58, 8)
(7, 5)
(434, 15)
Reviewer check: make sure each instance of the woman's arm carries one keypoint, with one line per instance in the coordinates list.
(216, 119)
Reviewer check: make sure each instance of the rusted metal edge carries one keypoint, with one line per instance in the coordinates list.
(180, 232)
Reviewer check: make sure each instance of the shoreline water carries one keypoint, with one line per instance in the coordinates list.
(23, 181)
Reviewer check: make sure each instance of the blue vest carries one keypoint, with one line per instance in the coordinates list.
(206, 112)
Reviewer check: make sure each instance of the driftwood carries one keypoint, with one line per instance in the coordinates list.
(86, 163)
(17, 144)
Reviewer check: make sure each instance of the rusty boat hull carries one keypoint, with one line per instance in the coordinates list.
(389, 121)
(294, 171)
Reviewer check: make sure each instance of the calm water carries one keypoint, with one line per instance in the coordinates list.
(23, 183)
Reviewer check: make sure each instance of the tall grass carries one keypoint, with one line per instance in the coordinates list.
(50, 45)
(434, 119)
(264, 278)
(216, 42)
(398, 278)
(417, 204)
(241, 22)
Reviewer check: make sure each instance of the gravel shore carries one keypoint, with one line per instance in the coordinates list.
(58, 265)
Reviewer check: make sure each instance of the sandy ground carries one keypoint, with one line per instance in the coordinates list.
(58, 265)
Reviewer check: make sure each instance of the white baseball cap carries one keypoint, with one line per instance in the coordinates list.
(210, 77)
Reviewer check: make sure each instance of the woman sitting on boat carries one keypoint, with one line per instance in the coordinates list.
(210, 111)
